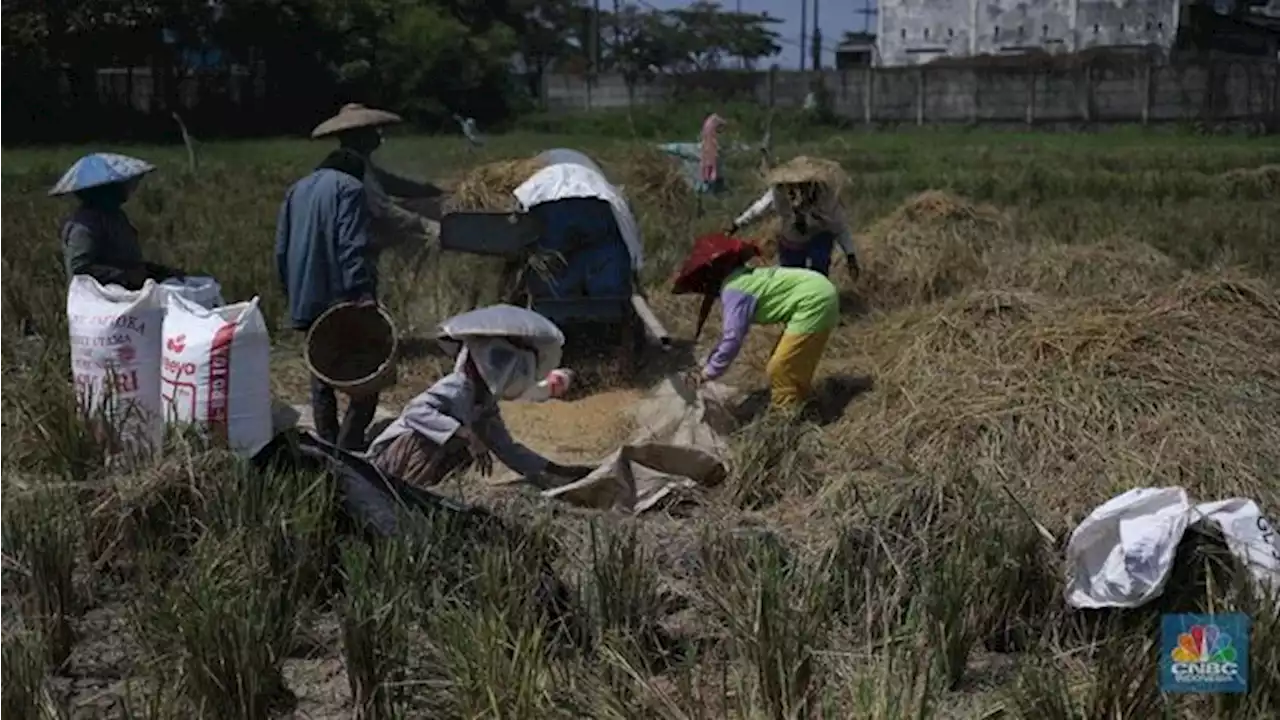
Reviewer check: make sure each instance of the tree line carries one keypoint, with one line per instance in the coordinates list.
(97, 69)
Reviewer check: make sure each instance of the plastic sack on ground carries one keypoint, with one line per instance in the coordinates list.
(203, 291)
(511, 372)
(1122, 554)
(216, 372)
(115, 360)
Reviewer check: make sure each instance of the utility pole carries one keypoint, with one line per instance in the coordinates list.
(595, 38)
(804, 27)
(617, 32)
(737, 7)
(817, 39)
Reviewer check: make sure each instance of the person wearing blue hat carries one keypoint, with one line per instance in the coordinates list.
(97, 239)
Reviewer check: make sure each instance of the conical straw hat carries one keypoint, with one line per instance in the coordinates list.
(808, 169)
(353, 116)
(98, 169)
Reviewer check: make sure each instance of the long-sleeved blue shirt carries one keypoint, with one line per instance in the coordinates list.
(322, 245)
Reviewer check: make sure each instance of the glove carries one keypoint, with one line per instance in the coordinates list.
(851, 266)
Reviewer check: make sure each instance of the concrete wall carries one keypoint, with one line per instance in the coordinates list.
(916, 31)
(1210, 90)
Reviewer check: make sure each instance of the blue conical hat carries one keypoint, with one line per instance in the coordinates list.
(99, 169)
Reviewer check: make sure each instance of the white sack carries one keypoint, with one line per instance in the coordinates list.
(115, 359)
(571, 180)
(203, 291)
(1122, 554)
(217, 372)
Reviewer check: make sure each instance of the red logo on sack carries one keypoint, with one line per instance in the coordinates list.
(177, 344)
(126, 354)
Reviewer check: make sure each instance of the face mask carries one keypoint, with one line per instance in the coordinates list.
(509, 372)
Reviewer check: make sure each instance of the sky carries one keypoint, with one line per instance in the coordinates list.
(835, 17)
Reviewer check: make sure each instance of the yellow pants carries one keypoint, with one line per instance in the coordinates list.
(792, 366)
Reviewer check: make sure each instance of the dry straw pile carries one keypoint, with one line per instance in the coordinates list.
(488, 187)
(927, 249)
(652, 179)
(1071, 400)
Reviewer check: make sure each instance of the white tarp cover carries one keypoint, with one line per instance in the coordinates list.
(1122, 554)
(574, 175)
(557, 156)
(680, 442)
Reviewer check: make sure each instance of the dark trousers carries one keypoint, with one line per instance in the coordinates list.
(350, 435)
(814, 255)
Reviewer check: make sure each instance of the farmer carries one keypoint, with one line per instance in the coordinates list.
(359, 133)
(97, 239)
(323, 257)
(457, 420)
(709, 178)
(804, 300)
(805, 193)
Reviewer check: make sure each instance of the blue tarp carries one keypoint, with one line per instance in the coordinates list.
(585, 232)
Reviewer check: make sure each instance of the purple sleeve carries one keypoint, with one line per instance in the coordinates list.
(737, 308)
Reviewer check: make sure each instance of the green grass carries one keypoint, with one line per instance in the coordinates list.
(1110, 321)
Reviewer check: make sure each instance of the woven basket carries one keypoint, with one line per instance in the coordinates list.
(353, 349)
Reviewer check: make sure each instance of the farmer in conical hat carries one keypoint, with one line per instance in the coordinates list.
(359, 133)
(324, 256)
(805, 193)
(457, 420)
(97, 239)
(803, 300)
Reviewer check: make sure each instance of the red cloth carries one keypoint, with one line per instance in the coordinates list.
(713, 257)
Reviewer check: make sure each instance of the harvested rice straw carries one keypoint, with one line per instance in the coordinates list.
(1077, 398)
(488, 187)
(932, 246)
(650, 178)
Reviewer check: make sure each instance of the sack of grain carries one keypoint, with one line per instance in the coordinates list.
(115, 360)
(216, 372)
(203, 291)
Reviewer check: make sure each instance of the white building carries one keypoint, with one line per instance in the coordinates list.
(911, 32)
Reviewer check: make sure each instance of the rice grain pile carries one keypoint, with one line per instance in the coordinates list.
(488, 187)
(587, 428)
(1068, 401)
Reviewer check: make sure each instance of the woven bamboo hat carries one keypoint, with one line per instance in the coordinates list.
(808, 169)
(353, 116)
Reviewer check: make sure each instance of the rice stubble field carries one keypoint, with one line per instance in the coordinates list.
(1042, 322)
